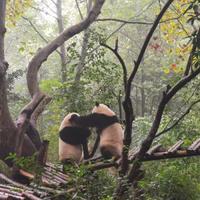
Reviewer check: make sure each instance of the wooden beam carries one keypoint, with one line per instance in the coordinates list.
(194, 146)
(175, 147)
(154, 149)
(166, 155)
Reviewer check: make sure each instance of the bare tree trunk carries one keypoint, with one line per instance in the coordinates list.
(81, 63)
(7, 127)
(62, 54)
(137, 113)
(142, 94)
(8, 130)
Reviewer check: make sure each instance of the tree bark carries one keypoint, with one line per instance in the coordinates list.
(7, 127)
(80, 67)
(142, 94)
(8, 130)
(62, 54)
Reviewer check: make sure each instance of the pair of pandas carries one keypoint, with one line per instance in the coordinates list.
(74, 133)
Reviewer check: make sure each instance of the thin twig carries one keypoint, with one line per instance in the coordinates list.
(180, 119)
(115, 51)
(79, 10)
(38, 32)
(123, 21)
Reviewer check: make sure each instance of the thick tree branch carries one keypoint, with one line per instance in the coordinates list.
(39, 110)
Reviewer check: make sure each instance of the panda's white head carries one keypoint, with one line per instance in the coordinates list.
(102, 109)
(66, 121)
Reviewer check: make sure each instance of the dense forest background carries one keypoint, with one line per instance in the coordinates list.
(83, 70)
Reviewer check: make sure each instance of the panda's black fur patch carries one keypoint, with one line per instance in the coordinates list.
(74, 135)
(100, 121)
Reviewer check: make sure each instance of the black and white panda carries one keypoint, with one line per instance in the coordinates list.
(108, 128)
(72, 140)
(111, 136)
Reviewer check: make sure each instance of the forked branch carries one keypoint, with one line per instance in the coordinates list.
(119, 57)
(178, 120)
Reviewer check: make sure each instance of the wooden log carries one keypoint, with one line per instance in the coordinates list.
(4, 197)
(102, 165)
(21, 186)
(92, 160)
(193, 146)
(8, 180)
(56, 177)
(59, 173)
(133, 152)
(197, 146)
(46, 180)
(165, 155)
(175, 147)
(26, 174)
(10, 192)
(154, 149)
(11, 187)
(10, 196)
(30, 196)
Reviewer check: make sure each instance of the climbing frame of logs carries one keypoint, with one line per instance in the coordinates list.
(157, 152)
(54, 182)
(52, 179)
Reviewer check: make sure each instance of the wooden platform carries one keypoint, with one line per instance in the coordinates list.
(158, 152)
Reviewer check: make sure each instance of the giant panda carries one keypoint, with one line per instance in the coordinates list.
(108, 128)
(72, 140)
(111, 136)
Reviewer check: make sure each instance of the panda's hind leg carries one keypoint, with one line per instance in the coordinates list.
(110, 152)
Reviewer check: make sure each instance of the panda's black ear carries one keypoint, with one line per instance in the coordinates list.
(73, 118)
(97, 104)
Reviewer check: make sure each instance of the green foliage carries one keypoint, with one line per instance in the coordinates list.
(15, 10)
(27, 163)
(175, 180)
(90, 185)
(4, 168)
(141, 127)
